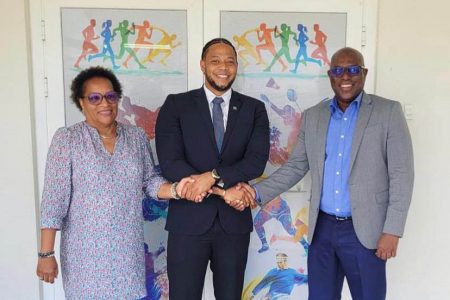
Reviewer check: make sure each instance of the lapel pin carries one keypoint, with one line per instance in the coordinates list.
(234, 107)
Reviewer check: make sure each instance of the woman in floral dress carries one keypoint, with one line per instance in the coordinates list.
(98, 171)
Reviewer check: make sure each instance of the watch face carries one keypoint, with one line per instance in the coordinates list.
(214, 174)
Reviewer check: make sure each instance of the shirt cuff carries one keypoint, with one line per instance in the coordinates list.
(257, 197)
(51, 223)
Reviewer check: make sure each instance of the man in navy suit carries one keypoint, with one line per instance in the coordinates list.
(219, 137)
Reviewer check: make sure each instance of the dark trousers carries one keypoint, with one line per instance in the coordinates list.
(335, 253)
(188, 257)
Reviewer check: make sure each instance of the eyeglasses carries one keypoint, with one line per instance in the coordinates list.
(96, 98)
(351, 70)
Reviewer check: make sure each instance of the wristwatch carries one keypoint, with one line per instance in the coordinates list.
(215, 175)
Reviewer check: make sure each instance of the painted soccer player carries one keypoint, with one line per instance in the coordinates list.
(280, 280)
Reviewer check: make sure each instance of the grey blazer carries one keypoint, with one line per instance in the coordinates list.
(381, 168)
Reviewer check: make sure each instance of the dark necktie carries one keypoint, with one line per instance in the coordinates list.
(217, 116)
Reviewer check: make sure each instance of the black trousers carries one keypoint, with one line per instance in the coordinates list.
(188, 257)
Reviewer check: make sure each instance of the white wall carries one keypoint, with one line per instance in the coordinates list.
(17, 192)
(413, 66)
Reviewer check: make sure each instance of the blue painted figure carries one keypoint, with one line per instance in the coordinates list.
(280, 280)
(107, 49)
(278, 209)
(302, 54)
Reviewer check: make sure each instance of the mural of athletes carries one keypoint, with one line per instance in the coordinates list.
(283, 61)
(147, 50)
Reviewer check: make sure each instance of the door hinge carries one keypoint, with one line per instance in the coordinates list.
(363, 36)
(43, 30)
(46, 87)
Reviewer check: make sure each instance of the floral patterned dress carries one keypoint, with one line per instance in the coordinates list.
(95, 199)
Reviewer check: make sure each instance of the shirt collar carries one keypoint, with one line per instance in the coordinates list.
(334, 106)
(210, 95)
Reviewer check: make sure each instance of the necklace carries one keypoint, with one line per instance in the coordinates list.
(107, 137)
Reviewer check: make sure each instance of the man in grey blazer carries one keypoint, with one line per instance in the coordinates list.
(359, 151)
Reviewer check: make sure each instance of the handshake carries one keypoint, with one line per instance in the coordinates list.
(198, 187)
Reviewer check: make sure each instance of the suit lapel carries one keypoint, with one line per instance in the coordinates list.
(322, 131)
(365, 110)
(233, 113)
(203, 108)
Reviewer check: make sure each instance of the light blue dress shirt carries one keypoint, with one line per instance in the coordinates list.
(335, 198)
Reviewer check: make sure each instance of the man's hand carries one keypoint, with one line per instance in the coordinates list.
(250, 192)
(387, 246)
(231, 196)
(235, 198)
(196, 191)
(182, 183)
(182, 187)
(200, 186)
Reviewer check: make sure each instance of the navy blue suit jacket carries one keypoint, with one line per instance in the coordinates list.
(186, 145)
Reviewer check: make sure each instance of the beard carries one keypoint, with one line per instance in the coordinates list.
(217, 87)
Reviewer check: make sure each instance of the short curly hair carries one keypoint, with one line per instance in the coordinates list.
(77, 86)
